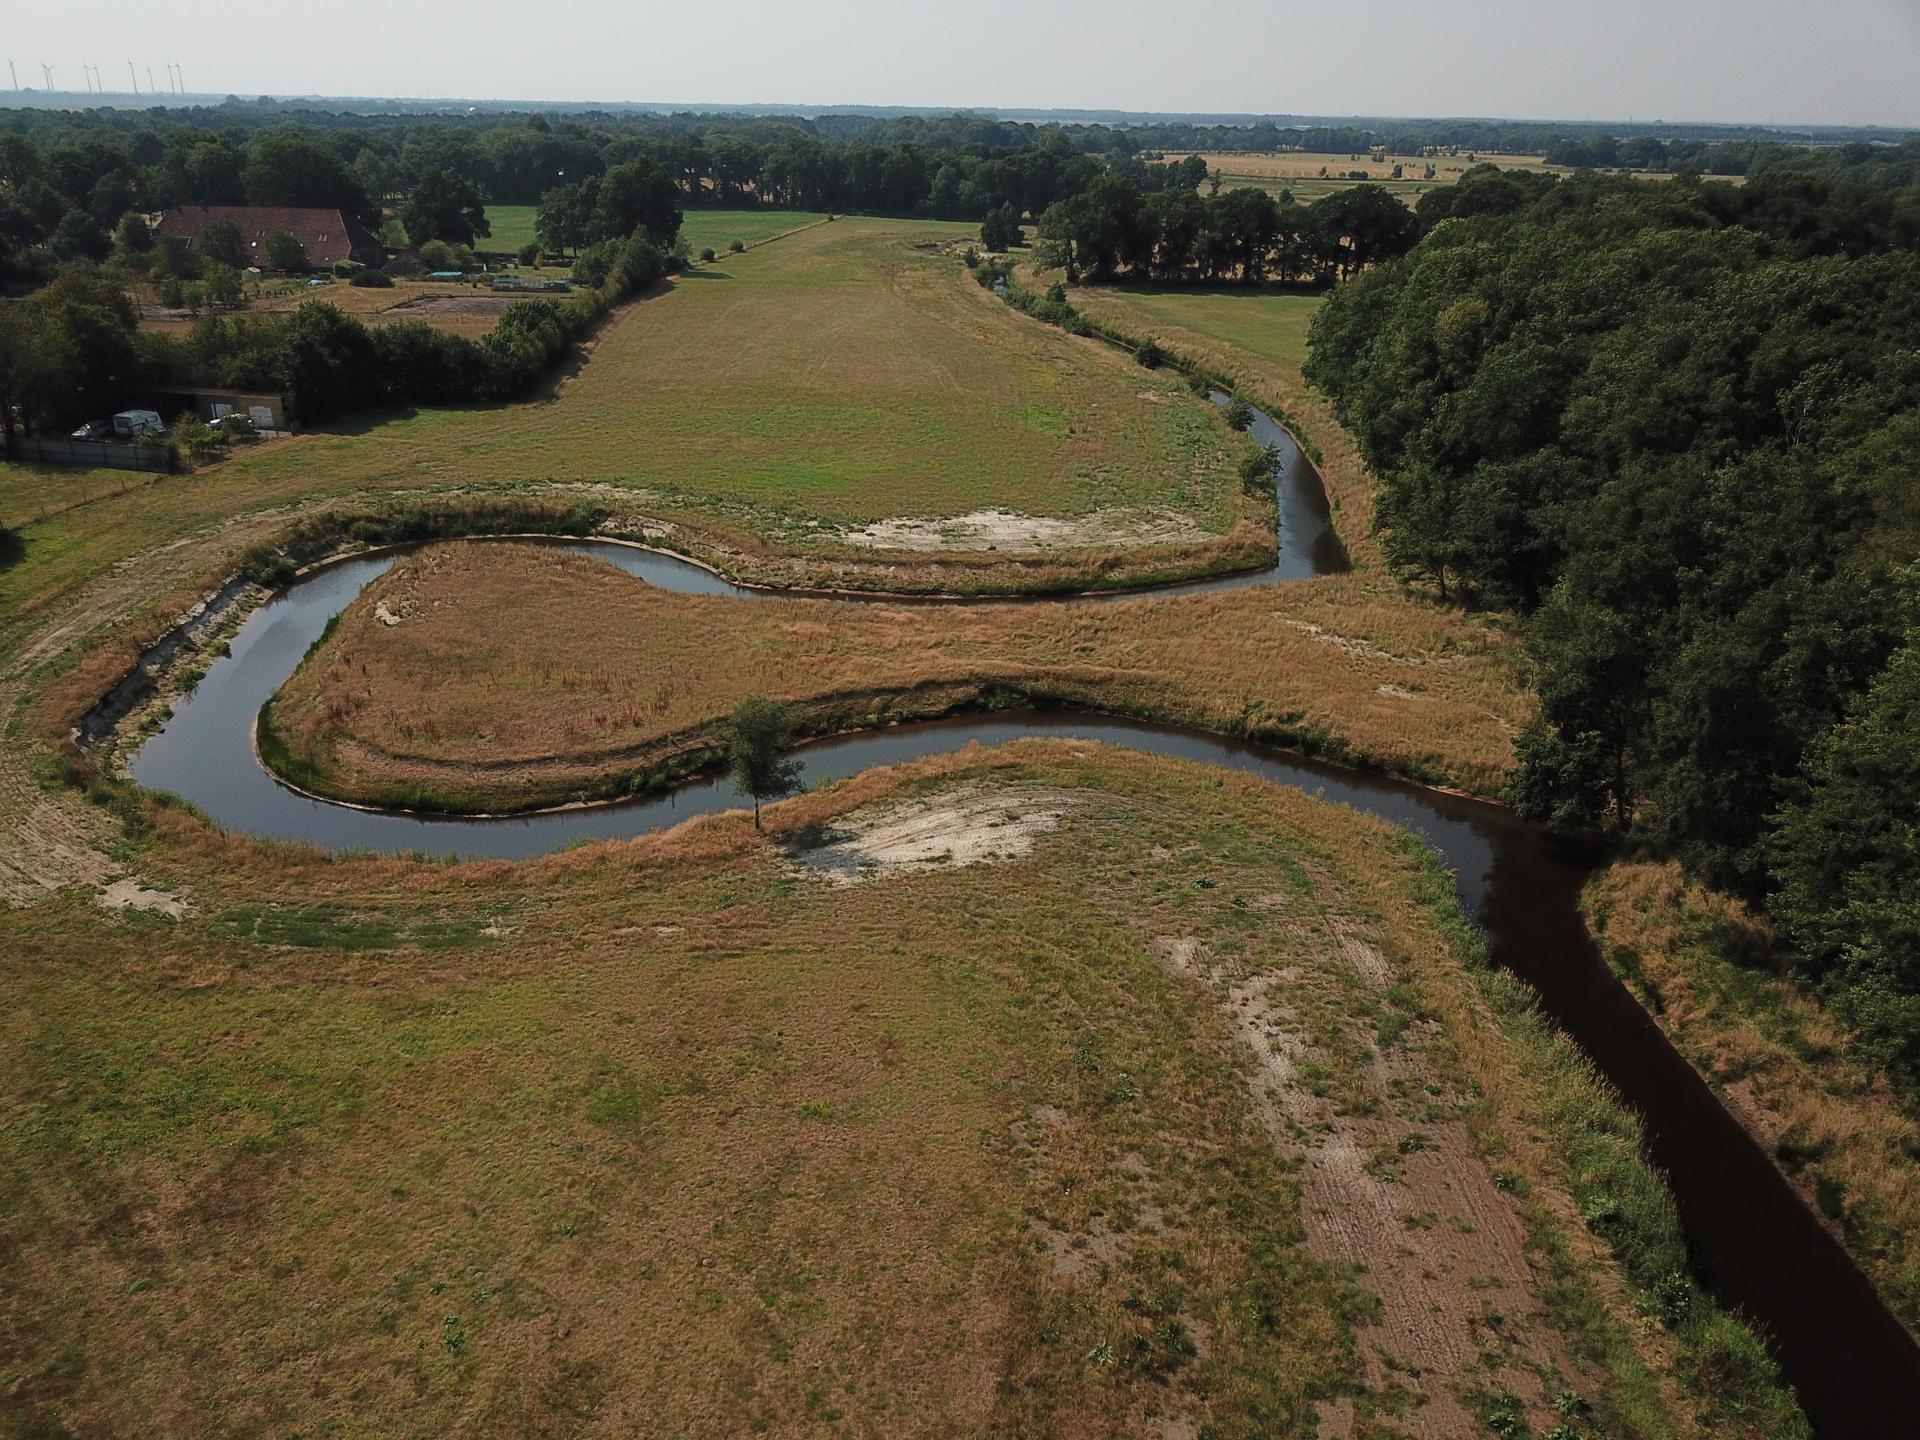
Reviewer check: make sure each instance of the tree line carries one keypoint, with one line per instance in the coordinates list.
(1673, 426)
(1868, 162)
(1170, 233)
(68, 178)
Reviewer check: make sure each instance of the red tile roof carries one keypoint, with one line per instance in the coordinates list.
(328, 235)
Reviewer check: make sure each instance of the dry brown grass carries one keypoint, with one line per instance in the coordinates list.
(522, 675)
(654, 1135)
(1701, 960)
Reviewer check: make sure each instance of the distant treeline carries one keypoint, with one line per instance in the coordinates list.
(1867, 163)
(1674, 426)
(85, 170)
(1246, 236)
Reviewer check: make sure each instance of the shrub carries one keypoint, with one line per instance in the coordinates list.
(1149, 356)
(1256, 471)
(736, 246)
(707, 257)
(371, 280)
(1239, 414)
(529, 254)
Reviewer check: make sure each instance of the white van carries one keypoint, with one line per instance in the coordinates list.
(132, 424)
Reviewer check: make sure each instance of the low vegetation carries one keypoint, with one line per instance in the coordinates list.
(820, 1147)
(550, 676)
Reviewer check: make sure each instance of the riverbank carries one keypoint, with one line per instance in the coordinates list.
(1702, 965)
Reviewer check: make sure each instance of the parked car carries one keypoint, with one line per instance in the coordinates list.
(132, 424)
(93, 430)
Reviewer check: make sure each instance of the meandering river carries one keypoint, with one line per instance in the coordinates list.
(1755, 1244)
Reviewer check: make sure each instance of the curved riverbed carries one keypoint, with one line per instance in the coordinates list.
(1756, 1245)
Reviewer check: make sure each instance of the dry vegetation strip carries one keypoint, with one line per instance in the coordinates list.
(1699, 962)
(665, 1135)
(522, 674)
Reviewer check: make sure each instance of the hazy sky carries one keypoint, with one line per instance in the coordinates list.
(1842, 61)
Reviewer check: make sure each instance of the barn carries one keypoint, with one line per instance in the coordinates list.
(328, 236)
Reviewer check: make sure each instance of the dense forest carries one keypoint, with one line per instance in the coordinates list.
(1675, 427)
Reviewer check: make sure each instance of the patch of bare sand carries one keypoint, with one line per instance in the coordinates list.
(961, 827)
(999, 529)
(130, 894)
(1396, 1191)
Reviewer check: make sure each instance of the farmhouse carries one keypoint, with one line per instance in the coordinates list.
(328, 236)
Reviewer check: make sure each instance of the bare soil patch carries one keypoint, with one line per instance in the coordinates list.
(1393, 1189)
(953, 830)
(130, 894)
(428, 307)
(1007, 530)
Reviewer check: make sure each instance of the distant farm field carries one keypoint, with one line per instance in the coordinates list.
(1299, 171)
(848, 374)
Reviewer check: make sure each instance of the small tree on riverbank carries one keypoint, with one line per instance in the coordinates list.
(758, 734)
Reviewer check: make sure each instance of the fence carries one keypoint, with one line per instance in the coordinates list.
(100, 454)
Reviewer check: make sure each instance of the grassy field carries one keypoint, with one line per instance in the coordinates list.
(1259, 341)
(679, 1136)
(583, 677)
(842, 376)
(512, 226)
(1269, 327)
(716, 229)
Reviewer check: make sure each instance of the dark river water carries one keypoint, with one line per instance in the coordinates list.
(1755, 1244)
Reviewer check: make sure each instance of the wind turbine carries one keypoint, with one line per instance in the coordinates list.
(14, 73)
(47, 71)
(150, 79)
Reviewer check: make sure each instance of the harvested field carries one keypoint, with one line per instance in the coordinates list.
(523, 674)
(400, 1146)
